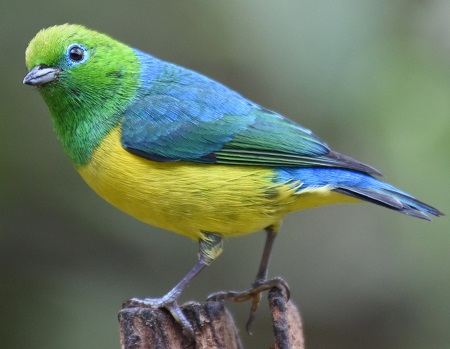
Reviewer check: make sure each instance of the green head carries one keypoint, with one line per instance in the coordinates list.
(86, 79)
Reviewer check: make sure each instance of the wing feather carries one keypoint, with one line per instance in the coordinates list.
(184, 116)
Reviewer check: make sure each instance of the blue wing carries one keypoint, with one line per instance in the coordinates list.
(180, 115)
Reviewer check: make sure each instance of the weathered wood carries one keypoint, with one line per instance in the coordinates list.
(214, 328)
(287, 324)
(143, 328)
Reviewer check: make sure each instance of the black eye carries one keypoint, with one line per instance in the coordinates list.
(76, 53)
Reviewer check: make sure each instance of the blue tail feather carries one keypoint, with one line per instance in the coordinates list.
(359, 185)
(407, 205)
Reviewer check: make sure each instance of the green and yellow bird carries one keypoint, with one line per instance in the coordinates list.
(182, 152)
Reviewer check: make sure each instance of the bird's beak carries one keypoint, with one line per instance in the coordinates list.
(41, 75)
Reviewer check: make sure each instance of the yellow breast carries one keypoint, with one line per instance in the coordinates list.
(190, 198)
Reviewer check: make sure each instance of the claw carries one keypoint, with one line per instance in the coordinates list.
(179, 316)
(255, 305)
(172, 306)
(253, 293)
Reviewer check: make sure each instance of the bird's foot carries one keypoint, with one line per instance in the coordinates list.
(254, 293)
(167, 303)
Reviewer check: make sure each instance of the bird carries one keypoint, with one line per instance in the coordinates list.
(183, 152)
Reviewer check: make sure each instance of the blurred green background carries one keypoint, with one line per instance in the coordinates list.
(370, 77)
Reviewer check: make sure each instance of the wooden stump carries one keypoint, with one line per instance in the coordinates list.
(144, 328)
(286, 321)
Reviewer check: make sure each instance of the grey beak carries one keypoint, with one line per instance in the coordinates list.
(41, 75)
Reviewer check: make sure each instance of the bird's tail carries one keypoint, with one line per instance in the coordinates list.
(392, 199)
(361, 186)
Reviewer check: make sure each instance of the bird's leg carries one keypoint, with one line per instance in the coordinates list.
(260, 284)
(210, 247)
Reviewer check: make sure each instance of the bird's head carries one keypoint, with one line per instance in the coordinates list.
(77, 67)
(69, 53)
(86, 79)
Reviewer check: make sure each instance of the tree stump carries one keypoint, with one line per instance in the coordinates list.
(146, 328)
(286, 321)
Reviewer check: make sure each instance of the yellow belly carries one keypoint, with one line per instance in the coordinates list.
(192, 198)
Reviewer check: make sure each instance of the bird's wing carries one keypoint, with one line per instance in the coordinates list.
(218, 126)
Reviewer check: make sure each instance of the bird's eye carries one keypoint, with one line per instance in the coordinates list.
(76, 53)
